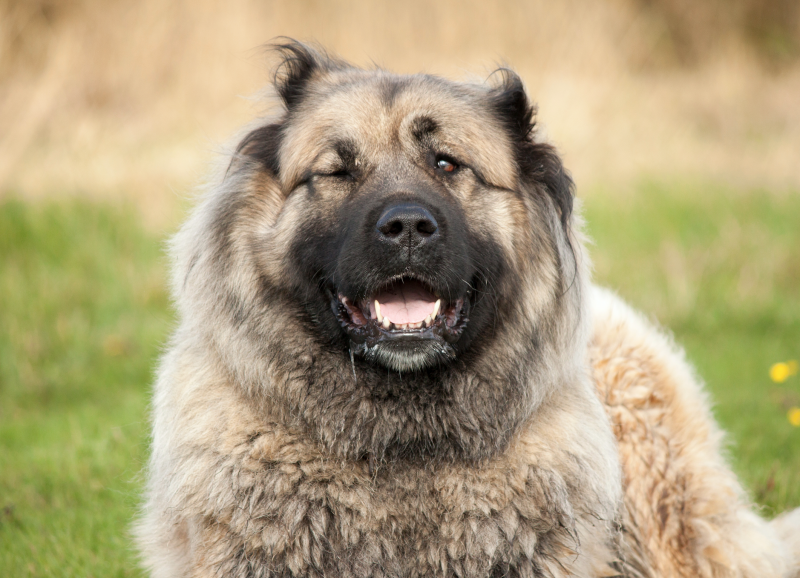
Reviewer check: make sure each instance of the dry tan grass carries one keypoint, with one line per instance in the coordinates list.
(112, 98)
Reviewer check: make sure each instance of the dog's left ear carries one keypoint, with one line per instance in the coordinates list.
(537, 162)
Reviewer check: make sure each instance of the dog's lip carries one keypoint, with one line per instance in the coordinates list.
(362, 320)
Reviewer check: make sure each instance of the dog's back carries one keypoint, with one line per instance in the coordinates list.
(685, 513)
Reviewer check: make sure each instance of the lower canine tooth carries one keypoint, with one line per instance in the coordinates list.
(436, 307)
(386, 323)
(427, 321)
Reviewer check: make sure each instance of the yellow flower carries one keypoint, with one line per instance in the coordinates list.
(794, 416)
(781, 371)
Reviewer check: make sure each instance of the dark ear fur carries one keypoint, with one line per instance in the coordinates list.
(537, 162)
(263, 145)
(299, 63)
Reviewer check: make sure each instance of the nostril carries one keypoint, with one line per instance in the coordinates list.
(426, 227)
(392, 228)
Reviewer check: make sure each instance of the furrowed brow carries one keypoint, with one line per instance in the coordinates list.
(423, 127)
(347, 151)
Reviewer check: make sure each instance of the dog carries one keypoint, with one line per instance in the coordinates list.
(390, 361)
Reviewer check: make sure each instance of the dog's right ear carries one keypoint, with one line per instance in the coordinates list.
(263, 145)
(300, 63)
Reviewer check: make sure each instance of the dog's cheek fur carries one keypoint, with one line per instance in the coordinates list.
(270, 316)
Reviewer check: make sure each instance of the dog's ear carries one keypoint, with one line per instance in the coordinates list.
(537, 162)
(300, 63)
(263, 145)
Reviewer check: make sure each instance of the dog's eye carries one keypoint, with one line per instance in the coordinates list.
(446, 165)
(341, 173)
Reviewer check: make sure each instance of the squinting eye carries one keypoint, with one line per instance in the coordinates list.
(341, 174)
(445, 165)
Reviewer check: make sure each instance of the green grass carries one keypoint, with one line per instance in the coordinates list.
(83, 311)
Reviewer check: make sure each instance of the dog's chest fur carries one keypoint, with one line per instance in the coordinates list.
(295, 512)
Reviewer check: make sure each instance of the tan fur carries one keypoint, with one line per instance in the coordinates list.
(685, 512)
(787, 526)
(214, 481)
(275, 453)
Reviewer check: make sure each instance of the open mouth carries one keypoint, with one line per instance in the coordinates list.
(404, 310)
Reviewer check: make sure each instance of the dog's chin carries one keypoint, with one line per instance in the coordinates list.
(407, 355)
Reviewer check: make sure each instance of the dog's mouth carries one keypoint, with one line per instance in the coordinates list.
(404, 310)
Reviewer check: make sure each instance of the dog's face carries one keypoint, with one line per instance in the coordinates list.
(386, 226)
(388, 177)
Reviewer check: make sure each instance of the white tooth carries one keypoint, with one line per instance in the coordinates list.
(415, 325)
(386, 323)
(427, 321)
(436, 308)
(378, 311)
(402, 325)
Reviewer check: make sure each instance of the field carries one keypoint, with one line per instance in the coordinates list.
(111, 109)
(85, 312)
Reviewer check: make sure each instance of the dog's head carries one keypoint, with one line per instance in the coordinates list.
(390, 253)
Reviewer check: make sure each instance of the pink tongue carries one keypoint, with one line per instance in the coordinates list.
(408, 302)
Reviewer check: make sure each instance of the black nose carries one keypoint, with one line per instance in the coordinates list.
(407, 223)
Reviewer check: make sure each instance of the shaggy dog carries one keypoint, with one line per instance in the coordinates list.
(391, 362)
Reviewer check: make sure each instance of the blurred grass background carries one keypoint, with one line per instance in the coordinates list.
(679, 120)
